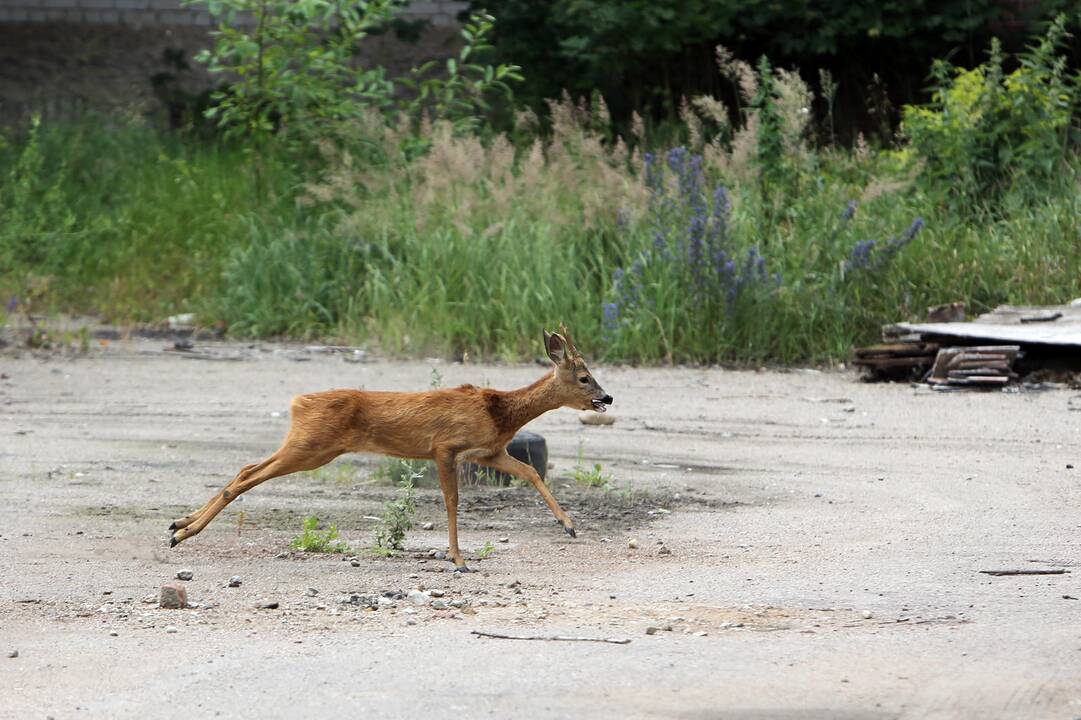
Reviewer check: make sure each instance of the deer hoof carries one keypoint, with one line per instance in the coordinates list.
(173, 541)
(172, 526)
(463, 569)
(570, 531)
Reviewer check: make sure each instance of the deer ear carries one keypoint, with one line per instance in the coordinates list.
(555, 347)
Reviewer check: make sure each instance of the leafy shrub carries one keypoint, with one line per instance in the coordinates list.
(986, 130)
(296, 67)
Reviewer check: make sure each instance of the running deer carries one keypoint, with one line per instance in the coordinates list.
(448, 426)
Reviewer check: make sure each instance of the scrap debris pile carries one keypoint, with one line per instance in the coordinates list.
(997, 348)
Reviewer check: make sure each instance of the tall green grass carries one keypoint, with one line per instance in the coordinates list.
(472, 247)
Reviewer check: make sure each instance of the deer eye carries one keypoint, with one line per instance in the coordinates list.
(583, 380)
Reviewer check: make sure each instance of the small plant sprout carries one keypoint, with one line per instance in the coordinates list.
(594, 477)
(485, 551)
(312, 540)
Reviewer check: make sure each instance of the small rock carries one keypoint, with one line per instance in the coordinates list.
(440, 556)
(468, 610)
(170, 629)
(113, 633)
(651, 630)
(173, 596)
(516, 583)
(268, 605)
(354, 563)
(436, 593)
(457, 603)
(282, 555)
(184, 575)
(427, 526)
(311, 592)
(632, 543)
(235, 581)
(594, 418)
(701, 633)
(13, 654)
(867, 615)
(504, 539)
(150, 599)
(664, 550)
(439, 605)
(410, 621)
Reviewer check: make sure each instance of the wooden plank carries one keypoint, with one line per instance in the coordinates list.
(896, 349)
(883, 363)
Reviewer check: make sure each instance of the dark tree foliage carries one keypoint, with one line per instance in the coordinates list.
(646, 54)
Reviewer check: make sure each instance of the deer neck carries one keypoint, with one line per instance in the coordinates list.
(530, 402)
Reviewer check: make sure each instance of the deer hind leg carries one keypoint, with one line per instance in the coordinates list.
(507, 464)
(288, 459)
(448, 483)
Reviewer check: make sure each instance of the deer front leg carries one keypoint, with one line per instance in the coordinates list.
(448, 483)
(507, 464)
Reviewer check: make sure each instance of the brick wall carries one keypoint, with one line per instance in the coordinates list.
(441, 13)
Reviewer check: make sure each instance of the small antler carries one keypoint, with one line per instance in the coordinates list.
(570, 343)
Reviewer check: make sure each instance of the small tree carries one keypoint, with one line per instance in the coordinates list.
(294, 64)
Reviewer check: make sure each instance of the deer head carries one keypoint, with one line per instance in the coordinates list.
(575, 386)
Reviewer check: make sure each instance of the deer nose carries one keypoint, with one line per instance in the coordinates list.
(607, 399)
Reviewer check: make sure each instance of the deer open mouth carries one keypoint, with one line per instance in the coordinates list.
(599, 406)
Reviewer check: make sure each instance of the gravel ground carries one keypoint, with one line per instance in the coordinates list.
(821, 546)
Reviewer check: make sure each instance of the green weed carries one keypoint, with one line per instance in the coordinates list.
(313, 540)
(593, 477)
(397, 518)
(485, 551)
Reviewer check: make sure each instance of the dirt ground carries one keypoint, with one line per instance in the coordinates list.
(825, 539)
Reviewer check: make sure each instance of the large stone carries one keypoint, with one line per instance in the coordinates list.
(173, 596)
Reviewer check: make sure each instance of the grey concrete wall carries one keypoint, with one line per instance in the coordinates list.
(441, 13)
(60, 58)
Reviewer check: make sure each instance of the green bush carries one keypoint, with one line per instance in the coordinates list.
(986, 131)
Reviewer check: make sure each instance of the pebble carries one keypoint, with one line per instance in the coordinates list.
(170, 629)
(427, 526)
(664, 550)
(467, 610)
(457, 603)
(632, 543)
(184, 575)
(113, 633)
(504, 539)
(173, 596)
(439, 605)
(355, 563)
(13, 654)
(867, 615)
(235, 581)
(436, 593)
(311, 592)
(593, 418)
(652, 630)
(269, 605)
(410, 621)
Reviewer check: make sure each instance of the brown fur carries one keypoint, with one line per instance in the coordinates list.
(446, 426)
